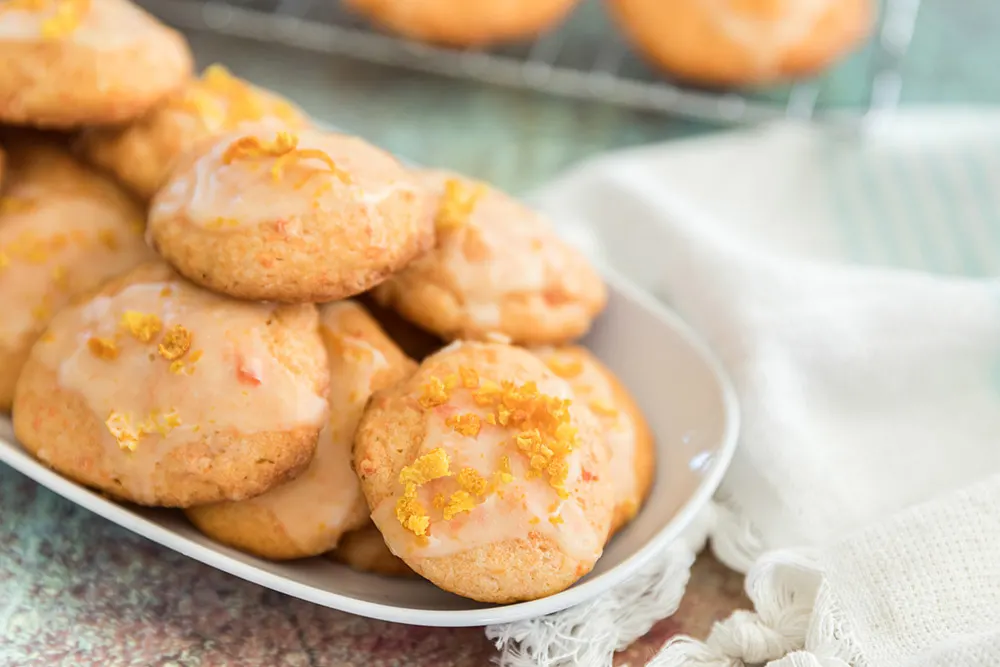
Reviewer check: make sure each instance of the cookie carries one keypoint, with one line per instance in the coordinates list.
(158, 392)
(414, 341)
(364, 550)
(484, 477)
(633, 451)
(141, 153)
(68, 63)
(64, 230)
(498, 267)
(306, 516)
(312, 216)
(462, 23)
(742, 42)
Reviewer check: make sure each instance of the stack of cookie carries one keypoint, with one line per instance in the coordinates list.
(235, 364)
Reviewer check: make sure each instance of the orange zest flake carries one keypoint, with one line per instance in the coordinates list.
(410, 512)
(534, 520)
(103, 348)
(565, 369)
(457, 204)
(108, 239)
(14, 205)
(460, 501)
(128, 435)
(471, 481)
(467, 424)
(224, 101)
(4, 260)
(167, 291)
(60, 277)
(144, 327)
(285, 148)
(176, 343)
(603, 408)
(221, 223)
(66, 19)
(555, 520)
(469, 377)
(434, 393)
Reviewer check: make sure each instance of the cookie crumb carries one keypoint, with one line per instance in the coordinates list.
(103, 348)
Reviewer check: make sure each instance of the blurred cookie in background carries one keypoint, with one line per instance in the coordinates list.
(64, 229)
(365, 550)
(464, 23)
(742, 42)
(141, 153)
(68, 63)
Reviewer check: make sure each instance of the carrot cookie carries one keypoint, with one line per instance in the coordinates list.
(307, 516)
(308, 216)
(140, 154)
(629, 437)
(739, 42)
(63, 230)
(68, 63)
(498, 267)
(158, 392)
(484, 476)
(463, 23)
(364, 550)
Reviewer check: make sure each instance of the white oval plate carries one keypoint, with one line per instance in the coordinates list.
(691, 408)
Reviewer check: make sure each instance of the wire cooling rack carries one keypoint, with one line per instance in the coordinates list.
(585, 58)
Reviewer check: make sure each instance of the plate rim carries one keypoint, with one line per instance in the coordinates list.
(15, 456)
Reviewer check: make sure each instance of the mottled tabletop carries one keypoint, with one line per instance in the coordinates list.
(77, 590)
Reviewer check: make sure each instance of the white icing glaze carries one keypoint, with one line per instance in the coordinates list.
(316, 506)
(236, 387)
(767, 36)
(503, 249)
(107, 25)
(222, 197)
(521, 507)
(80, 242)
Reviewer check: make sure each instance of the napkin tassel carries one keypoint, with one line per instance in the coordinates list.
(794, 612)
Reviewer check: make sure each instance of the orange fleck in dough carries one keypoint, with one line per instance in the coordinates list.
(143, 327)
(103, 348)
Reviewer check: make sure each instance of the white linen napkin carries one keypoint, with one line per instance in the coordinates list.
(848, 284)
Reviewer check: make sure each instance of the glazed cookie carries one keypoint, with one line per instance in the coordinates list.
(365, 550)
(484, 477)
(158, 392)
(633, 452)
(68, 63)
(140, 154)
(498, 267)
(307, 516)
(312, 216)
(738, 42)
(63, 230)
(462, 23)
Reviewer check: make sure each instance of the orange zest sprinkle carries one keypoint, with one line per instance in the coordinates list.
(176, 343)
(603, 408)
(144, 327)
(457, 204)
(434, 393)
(103, 348)
(471, 481)
(66, 19)
(120, 426)
(555, 520)
(469, 377)
(565, 369)
(223, 101)
(467, 424)
(60, 277)
(460, 501)
(285, 148)
(430, 466)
